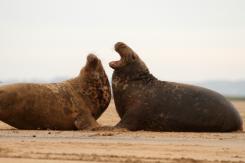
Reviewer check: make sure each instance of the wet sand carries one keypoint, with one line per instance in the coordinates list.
(120, 146)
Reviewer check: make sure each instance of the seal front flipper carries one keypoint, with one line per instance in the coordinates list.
(131, 120)
(85, 122)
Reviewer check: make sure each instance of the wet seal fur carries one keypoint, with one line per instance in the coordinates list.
(146, 103)
(69, 105)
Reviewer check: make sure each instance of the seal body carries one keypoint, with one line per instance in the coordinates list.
(146, 103)
(69, 105)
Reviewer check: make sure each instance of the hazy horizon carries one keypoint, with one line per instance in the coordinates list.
(190, 40)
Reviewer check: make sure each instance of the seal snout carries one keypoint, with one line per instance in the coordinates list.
(124, 50)
(93, 61)
(92, 58)
(119, 46)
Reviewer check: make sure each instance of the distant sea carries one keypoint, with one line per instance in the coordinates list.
(226, 88)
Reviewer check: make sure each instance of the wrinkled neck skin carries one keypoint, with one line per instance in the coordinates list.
(144, 77)
(95, 92)
(131, 74)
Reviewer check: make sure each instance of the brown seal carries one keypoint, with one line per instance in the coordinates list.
(69, 105)
(146, 103)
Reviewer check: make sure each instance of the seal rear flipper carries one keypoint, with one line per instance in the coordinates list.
(85, 122)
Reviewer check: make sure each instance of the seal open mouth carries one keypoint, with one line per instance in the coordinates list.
(125, 52)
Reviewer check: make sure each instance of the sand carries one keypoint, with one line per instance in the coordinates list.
(120, 146)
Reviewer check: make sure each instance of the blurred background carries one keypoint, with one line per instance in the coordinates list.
(198, 42)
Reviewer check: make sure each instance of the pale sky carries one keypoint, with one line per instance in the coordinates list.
(179, 40)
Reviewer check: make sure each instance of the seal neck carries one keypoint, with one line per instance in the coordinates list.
(95, 95)
(146, 77)
(86, 93)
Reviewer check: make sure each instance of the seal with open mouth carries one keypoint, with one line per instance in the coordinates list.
(146, 103)
(69, 105)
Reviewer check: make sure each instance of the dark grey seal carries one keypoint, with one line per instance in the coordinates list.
(146, 103)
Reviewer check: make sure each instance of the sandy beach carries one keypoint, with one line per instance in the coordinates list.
(120, 146)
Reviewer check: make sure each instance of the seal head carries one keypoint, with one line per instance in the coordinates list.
(129, 69)
(96, 86)
(130, 63)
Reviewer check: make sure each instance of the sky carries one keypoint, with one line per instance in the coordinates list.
(179, 40)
